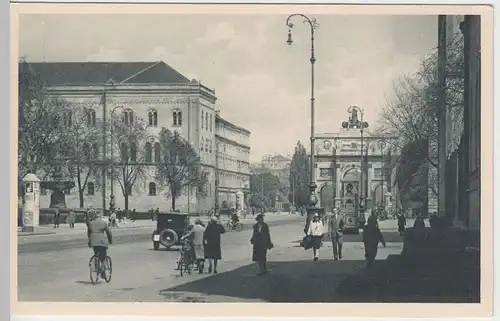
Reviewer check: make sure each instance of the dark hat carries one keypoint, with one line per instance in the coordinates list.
(259, 216)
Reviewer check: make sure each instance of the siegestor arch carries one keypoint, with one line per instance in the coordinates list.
(327, 196)
(352, 174)
(378, 193)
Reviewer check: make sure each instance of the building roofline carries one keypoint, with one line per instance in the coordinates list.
(227, 122)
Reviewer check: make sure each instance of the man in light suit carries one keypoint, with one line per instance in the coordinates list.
(336, 227)
(97, 240)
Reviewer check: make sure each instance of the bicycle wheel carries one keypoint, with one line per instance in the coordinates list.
(181, 266)
(238, 227)
(108, 269)
(94, 269)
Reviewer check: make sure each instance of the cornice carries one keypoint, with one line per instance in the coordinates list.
(230, 141)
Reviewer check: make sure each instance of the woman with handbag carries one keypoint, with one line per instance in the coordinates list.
(315, 233)
(261, 241)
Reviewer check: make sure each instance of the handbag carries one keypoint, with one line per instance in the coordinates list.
(306, 242)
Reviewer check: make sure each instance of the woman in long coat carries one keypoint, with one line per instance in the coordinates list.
(371, 236)
(212, 244)
(261, 241)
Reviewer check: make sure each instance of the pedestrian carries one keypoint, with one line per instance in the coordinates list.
(261, 241)
(419, 222)
(371, 236)
(336, 227)
(56, 219)
(212, 244)
(134, 215)
(401, 224)
(71, 219)
(315, 233)
(196, 235)
(155, 217)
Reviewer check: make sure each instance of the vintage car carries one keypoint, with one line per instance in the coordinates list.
(170, 227)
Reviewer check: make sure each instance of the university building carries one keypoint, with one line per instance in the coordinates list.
(160, 96)
(341, 174)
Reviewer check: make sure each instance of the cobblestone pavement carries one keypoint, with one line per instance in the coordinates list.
(143, 275)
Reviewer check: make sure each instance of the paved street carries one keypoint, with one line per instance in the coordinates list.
(143, 275)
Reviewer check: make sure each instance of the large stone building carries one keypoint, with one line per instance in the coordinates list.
(233, 161)
(338, 167)
(153, 92)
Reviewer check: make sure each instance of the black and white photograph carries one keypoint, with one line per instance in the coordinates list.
(295, 156)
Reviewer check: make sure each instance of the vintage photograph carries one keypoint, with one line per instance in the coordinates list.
(295, 157)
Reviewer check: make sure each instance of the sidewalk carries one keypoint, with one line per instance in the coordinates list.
(293, 276)
(81, 227)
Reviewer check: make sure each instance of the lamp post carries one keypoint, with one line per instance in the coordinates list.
(112, 196)
(110, 83)
(382, 148)
(313, 26)
(362, 125)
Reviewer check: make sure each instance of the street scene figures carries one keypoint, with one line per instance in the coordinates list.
(249, 158)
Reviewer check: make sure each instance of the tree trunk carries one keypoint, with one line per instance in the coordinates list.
(173, 201)
(80, 195)
(80, 188)
(126, 200)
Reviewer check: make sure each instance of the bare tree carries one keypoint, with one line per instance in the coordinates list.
(128, 163)
(412, 113)
(81, 147)
(179, 167)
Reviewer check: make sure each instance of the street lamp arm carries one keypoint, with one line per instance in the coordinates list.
(311, 21)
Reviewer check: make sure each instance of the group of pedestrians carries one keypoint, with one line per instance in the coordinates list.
(315, 231)
(206, 243)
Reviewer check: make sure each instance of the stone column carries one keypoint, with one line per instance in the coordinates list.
(31, 206)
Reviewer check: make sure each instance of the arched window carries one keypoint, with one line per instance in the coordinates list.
(210, 122)
(133, 152)
(202, 120)
(210, 146)
(67, 118)
(152, 189)
(124, 152)
(91, 117)
(149, 152)
(153, 118)
(90, 188)
(202, 144)
(157, 152)
(206, 145)
(177, 117)
(128, 117)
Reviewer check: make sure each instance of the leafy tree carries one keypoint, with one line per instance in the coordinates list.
(413, 113)
(81, 148)
(299, 176)
(179, 167)
(264, 188)
(129, 161)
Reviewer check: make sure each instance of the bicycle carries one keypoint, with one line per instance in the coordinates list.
(94, 266)
(185, 261)
(234, 226)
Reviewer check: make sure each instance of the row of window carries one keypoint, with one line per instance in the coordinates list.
(206, 145)
(205, 117)
(127, 117)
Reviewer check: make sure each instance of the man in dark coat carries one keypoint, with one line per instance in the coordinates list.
(212, 243)
(371, 237)
(261, 241)
(401, 224)
(336, 227)
(56, 218)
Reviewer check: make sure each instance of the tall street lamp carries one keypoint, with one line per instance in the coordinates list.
(112, 196)
(104, 99)
(362, 125)
(313, 26)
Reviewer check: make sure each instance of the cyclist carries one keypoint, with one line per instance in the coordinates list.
(97, 240)
(234, 219)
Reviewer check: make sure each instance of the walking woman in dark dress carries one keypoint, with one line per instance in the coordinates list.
(261, 241)
(212, 243)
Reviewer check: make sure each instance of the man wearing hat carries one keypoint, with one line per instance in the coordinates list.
(336, 227)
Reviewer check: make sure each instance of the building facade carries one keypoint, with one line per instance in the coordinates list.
(342, 175)
(232, 145)
(154, 93)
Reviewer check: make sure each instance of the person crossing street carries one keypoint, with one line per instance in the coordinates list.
(336, 228)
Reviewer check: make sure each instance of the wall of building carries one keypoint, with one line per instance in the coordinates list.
(233, 160)
(190, 103)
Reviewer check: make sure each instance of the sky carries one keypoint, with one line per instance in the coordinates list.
(261, 83)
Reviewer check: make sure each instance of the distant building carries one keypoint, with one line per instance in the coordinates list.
(233, 160)
(340, 174)
(154, 92)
